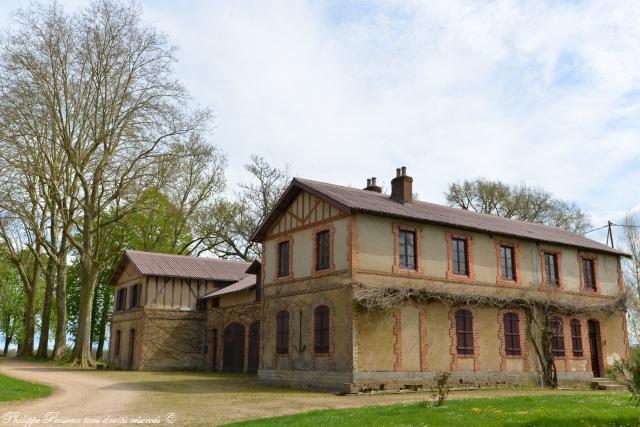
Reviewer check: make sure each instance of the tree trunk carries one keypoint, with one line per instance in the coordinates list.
(88, 278)
(60, 346)
(541, 335)
(7, 342)
(43, 345)
(104, 320)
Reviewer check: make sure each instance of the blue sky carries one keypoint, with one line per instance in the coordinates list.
(544, 93)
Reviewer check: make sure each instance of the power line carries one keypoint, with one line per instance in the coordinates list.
(612, 225)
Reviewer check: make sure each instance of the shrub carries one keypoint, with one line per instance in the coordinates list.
(441, 390)
(627, 372)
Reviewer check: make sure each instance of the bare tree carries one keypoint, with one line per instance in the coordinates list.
(104, 82)
(226, 230)
(631, 271)
(517, 201)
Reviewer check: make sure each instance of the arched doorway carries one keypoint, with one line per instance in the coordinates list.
(132, 342)
(254, 347)
(595, 346)
(233, 348)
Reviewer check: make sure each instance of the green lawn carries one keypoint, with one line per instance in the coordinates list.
(560, 410)
(13, 389)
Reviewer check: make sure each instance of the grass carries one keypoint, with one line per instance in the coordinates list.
(14, 389)
(611, 409)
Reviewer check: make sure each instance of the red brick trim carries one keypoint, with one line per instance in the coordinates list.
(397, 344)
(397, 333)
(583, 288)
(516, 260)
(545, 281)
(524, 348)
(396, 250)
(332, 266)
(454, 338)
(627, 349)
(283, 279)
(620, 279)
(450, 274)
(353, 243)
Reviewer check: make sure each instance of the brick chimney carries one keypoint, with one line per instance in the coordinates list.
(372, 186)
(402, 186)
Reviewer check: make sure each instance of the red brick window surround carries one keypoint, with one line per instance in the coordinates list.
(511, 323)
(460, 254)
(282, 332)
(588, 274)
(464, 332)
(557, 340)
(323, 238)
(407, 253)
(551, 266)
(576, 338)
(508, 256)
(321, 329)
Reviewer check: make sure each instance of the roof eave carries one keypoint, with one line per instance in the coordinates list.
(283, 202)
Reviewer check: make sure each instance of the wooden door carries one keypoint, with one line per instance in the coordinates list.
(233, 348)
(254, 347)
(132, 342)
(595, 347)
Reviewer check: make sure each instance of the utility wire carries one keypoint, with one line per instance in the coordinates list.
(612, 225)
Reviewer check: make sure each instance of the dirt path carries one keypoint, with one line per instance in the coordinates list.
(77, 394)
(185, 398)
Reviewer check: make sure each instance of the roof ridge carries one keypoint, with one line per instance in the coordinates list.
(186, 256)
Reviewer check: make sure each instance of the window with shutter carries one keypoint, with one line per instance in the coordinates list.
(551, 268)
(557, 340)
(576, 338)
(512, 334)
(323, 250)
(321, 329)
(588, 274)
(282, 332)
(283, 259)
(464, 332)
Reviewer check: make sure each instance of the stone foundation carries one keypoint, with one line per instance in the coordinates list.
(316, 380)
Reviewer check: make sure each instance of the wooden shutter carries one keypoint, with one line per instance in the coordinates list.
(321, 329)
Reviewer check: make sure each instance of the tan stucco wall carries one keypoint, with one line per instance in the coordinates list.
(375, 243)
(612, 330)
(235, 298)
(438, 339)
(375, 341)
(410, 326)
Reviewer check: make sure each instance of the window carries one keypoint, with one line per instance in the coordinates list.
(551, 268)
(464, 332)
(323, 250)
(459, 254)
(557, 340)
(117, 343)
(321, 329)
(283, 259)
(512, 334)
(507, 262)
(576, 338)
(282, 332)
(407, 250)
(588, 274)
(134, 300)
(121, 300)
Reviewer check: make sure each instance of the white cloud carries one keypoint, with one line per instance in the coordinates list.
(546, 93)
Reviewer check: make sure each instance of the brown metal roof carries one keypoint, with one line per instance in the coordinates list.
(248, 282)
(355, 200)
(166, 265)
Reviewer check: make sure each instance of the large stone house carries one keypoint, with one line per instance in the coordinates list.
(357, 289)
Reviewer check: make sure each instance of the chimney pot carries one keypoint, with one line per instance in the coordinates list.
(371, 185)
(373, 181)
(402, 186)
(368, 182)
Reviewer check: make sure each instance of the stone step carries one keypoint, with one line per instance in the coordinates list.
(606, 384)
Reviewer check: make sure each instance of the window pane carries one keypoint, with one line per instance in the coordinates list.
(459, 255)
(407, 250)
(283, 259)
